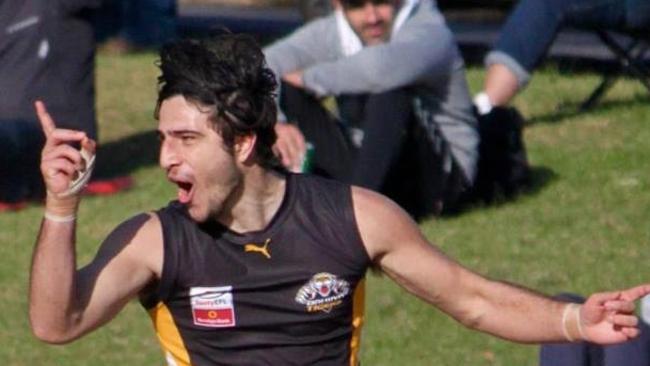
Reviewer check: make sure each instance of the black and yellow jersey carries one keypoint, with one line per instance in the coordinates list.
(291, 294)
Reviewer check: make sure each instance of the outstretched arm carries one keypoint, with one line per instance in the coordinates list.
(65, 303)
(396, 245)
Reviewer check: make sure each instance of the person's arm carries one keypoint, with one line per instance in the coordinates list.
(290, 146)
(65, 303)
(308, 45)
(396, 245)
(417, 52)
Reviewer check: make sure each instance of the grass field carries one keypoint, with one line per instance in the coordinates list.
(582, 228)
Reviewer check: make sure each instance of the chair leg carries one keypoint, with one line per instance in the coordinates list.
(630, 59)
(634, 65)
(600, 90)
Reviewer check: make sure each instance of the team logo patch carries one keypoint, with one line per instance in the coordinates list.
(213, 307)
(323, 292)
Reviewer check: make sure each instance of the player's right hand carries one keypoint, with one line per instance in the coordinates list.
(61, 163)
(290, 146)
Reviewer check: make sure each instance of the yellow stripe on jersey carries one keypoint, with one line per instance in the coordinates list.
(169, 336)
(358, 313)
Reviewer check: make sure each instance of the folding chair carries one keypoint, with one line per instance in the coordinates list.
(630, 49)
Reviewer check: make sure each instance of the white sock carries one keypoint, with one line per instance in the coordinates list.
(482, 103)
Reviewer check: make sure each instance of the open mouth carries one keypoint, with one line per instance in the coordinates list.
(185, 191)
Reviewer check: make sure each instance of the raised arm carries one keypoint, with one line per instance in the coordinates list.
(65, 303)
(508, 311)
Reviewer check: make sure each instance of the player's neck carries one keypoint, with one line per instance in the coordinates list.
(258, 199)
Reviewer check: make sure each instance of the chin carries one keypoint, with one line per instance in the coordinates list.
(197, 214)
(375, 41)
(204, 213)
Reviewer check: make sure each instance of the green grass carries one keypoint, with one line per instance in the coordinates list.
(583, 228)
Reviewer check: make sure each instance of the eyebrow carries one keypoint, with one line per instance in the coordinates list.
(180, 131)
(177, 132)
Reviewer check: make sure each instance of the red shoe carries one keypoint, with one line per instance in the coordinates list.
(12, 206)
(105, 187)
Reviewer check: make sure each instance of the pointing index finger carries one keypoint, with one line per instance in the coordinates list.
(47, 123)
(636, 292)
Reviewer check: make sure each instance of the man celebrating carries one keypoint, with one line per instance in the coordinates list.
(251, 265)
(399, 85)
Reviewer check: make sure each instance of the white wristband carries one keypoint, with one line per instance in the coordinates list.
(57, 218)
(579, 322)
(565, 316)
(570, 314)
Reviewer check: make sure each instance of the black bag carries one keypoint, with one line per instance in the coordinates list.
(503, 169)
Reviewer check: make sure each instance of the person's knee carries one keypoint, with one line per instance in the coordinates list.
(555, 8)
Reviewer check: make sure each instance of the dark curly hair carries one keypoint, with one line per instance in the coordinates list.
(227, 74)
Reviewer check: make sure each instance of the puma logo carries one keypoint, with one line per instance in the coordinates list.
(262, 249)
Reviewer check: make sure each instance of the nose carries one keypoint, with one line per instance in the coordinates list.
(168, 157)
(370, 12)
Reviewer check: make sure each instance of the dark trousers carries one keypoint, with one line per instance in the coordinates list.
(20, 153)
(396, 155)
(632, 353)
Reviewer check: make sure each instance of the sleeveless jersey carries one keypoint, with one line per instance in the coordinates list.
(291, 294)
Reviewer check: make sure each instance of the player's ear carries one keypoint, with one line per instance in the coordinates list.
(244, 147)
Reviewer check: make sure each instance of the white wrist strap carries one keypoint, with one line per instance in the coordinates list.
(84, 175)
(565, 317)
(572, 310)
(56, 218)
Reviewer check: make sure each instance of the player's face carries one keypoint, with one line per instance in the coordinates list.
(195, 158)
(371, 20)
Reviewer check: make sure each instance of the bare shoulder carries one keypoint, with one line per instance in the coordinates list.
(396, 245)
(374, 208)
(382, 223)
(138, 240)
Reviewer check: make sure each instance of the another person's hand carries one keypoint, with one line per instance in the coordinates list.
(294, 78)
(61, 163)
(290, 146)
(608, 318)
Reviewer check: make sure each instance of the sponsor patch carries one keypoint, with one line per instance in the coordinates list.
(213, 307)
(323, 292)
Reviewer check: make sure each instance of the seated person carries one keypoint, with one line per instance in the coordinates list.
(633, 353)
(530, 30)
(396, 75)
(47, 53)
